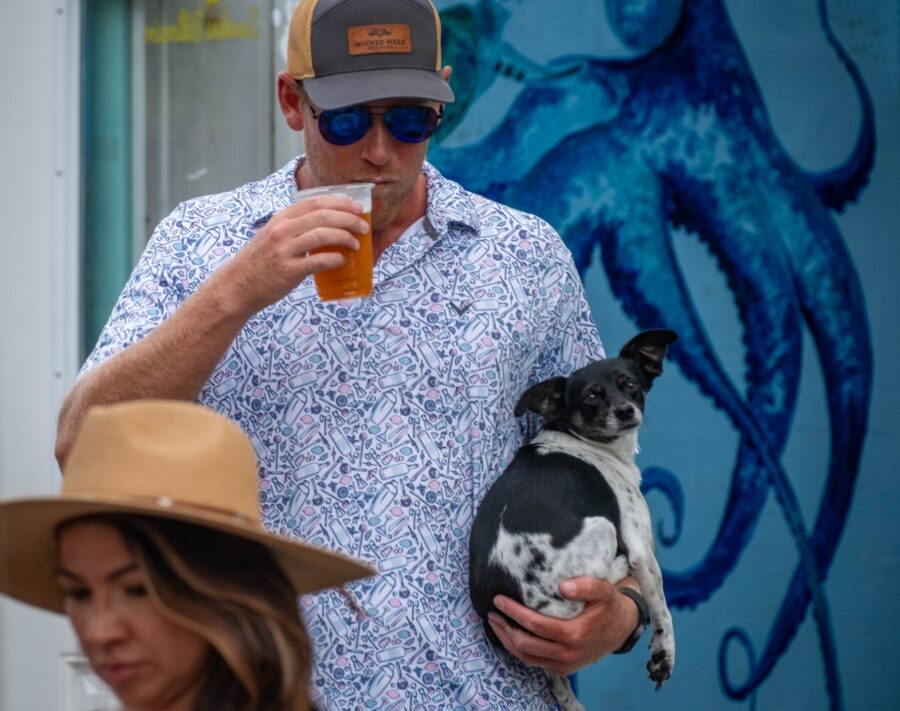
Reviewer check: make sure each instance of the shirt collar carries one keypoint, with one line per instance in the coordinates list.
(449, 205)
(274, 193)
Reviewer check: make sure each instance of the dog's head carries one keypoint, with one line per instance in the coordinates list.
(605, 399)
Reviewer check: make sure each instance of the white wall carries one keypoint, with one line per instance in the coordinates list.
(38, 300)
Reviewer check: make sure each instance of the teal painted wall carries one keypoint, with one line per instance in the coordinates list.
(107, 172)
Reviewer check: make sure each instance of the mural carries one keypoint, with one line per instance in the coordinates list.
(618, 154)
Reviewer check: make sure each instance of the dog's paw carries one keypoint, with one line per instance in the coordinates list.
(660, 667)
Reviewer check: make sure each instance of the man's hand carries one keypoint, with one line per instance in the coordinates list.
(278, 257)
(564, 646)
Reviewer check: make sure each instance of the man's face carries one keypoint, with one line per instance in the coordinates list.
(378, 157)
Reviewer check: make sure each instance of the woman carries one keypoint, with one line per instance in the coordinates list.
(156, 552)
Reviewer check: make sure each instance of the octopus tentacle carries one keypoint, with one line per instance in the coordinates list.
(586, 98)
(831, 297)
(842, 184)
(663, 480)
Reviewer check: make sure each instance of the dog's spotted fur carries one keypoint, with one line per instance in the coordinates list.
(570, 503)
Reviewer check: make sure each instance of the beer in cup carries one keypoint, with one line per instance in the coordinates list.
(354, 279)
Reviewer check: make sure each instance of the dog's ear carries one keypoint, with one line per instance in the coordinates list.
(648, 349)
(545, 398)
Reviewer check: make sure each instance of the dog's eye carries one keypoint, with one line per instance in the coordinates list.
(628, 385)
(591, 396)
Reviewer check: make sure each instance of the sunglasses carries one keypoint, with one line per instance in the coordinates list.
(410, 124)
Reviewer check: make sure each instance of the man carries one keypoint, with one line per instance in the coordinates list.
(378, 422)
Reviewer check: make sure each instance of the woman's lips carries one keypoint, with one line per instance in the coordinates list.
(118, 673)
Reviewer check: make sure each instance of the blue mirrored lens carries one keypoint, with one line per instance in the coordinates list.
(344, 126)
(410, 124)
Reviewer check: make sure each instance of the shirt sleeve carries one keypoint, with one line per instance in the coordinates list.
(571, 338)
(155, 289)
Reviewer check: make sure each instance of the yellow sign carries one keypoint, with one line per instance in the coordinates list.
(204, 26)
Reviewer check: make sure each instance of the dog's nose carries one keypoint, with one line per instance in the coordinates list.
(624, 412)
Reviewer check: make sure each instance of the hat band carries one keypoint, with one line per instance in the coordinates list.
(167, 502)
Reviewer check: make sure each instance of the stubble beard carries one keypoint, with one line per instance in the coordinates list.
(387, 203)
(388, 200)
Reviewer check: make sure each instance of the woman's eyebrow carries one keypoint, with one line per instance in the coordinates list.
(118, 573)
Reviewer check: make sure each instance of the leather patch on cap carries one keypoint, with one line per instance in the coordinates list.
(378, 39)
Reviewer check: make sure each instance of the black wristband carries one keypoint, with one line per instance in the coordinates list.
(643, 619)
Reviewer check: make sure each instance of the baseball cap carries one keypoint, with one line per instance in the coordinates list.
(352, 51)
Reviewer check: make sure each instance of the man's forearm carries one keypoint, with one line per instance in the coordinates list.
(172, 362)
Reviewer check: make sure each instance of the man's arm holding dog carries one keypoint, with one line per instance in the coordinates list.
(564, 646)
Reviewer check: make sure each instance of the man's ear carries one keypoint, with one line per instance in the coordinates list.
(446, 72)
(546, 399)
(289, 100)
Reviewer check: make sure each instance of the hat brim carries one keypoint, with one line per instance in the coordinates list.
(28, 545)
(339, 90)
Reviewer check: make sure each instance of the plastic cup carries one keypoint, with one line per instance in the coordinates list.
(354, 279)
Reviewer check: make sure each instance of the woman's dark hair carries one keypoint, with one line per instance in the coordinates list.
(233, 593)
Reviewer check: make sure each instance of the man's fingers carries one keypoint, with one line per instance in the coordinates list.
(294, 237)
(341, 219)
(323, 238)
(588, 589)
(321, 262)
(532, 650)
(335, 201)
(519, 641)
(534, 622)
(287, 227)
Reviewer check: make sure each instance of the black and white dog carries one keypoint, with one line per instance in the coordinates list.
(570, 503)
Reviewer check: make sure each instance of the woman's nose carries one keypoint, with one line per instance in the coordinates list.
(105, 624)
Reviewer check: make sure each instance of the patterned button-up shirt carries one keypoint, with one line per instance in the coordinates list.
(380, 422)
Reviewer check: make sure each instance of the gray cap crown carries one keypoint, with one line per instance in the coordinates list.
(353, 51)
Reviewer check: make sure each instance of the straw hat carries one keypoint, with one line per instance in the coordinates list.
(158, 458)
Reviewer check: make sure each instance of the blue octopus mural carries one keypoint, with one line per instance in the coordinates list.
(618, 154)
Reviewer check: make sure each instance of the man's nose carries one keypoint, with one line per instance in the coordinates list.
(378, 142)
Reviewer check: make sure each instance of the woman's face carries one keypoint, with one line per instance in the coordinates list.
(149, 661)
